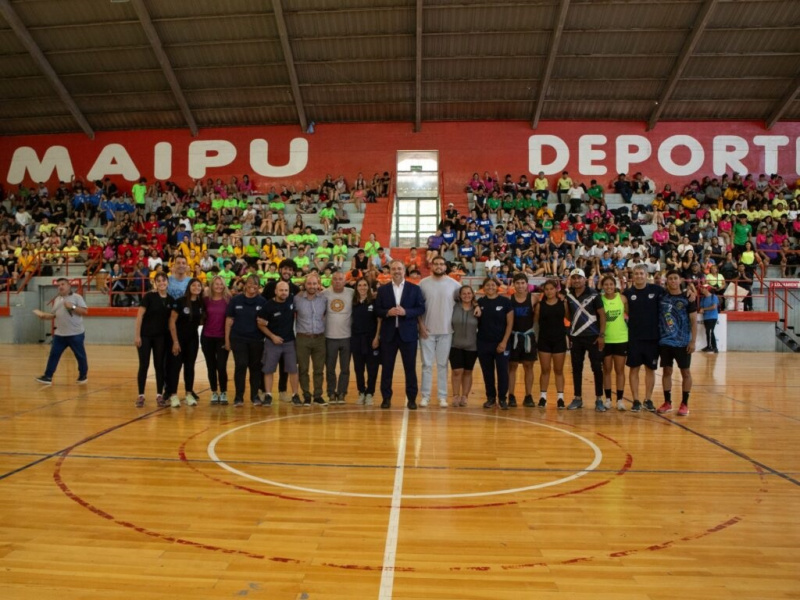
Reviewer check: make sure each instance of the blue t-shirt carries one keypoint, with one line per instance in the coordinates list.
(473, 236)
(674, 325)
(176, 288)
(467, 251)
(449, 237)
(710, 306)
(244, 311)
(540, 237)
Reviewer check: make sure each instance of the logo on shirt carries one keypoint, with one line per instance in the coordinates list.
(498, 308)
(186, 310)
(337, 305)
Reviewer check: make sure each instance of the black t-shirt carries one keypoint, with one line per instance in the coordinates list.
(190, 316)
(364, 320)
(643, 312)
(280, 318)
(492, 322)
(244, 311)
(155, 321)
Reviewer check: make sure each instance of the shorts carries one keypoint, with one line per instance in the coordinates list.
(620, 349)
(519, 354)
(679, 355)
(556, 345)
(273, 353)
(643, 352)
(463, 359)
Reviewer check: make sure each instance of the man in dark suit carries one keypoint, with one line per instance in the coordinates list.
(399, 303)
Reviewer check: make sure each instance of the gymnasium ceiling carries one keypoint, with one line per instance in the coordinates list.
(99, 65)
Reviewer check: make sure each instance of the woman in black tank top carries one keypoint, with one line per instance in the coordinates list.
(550, 314)
(522, 343)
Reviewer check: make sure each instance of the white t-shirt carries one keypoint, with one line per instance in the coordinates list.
(440, 298)
(338, 319)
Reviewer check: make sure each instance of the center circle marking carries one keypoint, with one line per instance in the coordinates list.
(598, 457)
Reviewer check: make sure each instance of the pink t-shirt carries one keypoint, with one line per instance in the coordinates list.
(215, 318)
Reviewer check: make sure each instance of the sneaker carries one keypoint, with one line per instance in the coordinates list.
(600, 406)
(648, 405)
(296, 400)
(442, 402)
(267, 400)
(256, 401)
(683, 411)
(607, 403)
(45, 380)
(424, 402)
(214, 398)
(665, 408)
(340, 400)
(490, 403)
(140, 401)
(238, 402)
(284, 396)
(320, 401)
(503, 404)
(528, 401)
(368, 400)
(332, 399)
(361, 398)
(174, 401)
(160, 401)
(542, 402)
(223, 398)
(575, 404)
(306, 402)
(82, 380)
(191, 399)
(559, 404)
(512, 401)
(621, 404)
(637, 406)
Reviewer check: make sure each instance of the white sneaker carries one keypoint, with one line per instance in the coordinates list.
(424, 402)
(368, 399)
(442, 402)
(174, 401)
(190, 400)
(214, 398)
(621, 405)
(608, 403)
(361, 398)
(223, 398)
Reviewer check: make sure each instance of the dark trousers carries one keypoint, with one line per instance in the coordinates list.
(408, 352)
(155, 346)
(580, 346)
(60, 344)
(711, 339)
(216, 362)
(365, 359)
(247, 357)
(491, 360)
(185, 359)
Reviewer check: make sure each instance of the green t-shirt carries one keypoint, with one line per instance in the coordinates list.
(325, 280)
(227, 276)
(600, 235)
(322, 253)
(340, 250)
(741, 233)
(327, 213)
(252, 251)
(310, 238)
(371, 249)
(295, 238)
(596, 191)
(493, 203)
(139, 191)
(217, 204)
(302, 261)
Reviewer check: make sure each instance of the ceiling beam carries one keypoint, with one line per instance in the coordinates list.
(163, 60)
(783, 103)
(418, 91)
(24, 36)
(561, 18)
(288, 56)
(683, 58)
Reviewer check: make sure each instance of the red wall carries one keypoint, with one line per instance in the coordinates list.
(463, 148)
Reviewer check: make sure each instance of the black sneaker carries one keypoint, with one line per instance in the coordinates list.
(45, 380)
(82, 380)
(296, 400)
(238, 402)
(512, 401)
(528, 401)
(649, 406)
(504, 405)
(637, 406)
(267, 400)
(256, 401)
(542, 402)
(490, 403)
(559, 404)
(307, 403)
(320, 401)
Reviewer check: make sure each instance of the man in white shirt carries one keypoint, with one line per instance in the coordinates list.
(67, 311)
(435, 329)
(338, 321)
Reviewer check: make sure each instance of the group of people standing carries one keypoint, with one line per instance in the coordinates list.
(309, 336)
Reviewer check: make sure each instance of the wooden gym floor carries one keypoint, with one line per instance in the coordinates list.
(103, 500)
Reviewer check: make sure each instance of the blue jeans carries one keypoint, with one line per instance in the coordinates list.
(60, 344)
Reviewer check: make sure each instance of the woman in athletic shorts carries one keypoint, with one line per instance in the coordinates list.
(464, 347)
(550, 313)
(616, 347)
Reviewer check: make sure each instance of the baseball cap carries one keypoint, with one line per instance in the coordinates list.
(577, 273)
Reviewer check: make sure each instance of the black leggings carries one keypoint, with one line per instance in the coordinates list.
(247, 356)
(711, 339)
(580, 346)
(154, 345)
(365, 359)
(491, 360)
(186, 359)
(216, 362)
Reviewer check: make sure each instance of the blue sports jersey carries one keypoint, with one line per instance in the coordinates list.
(674, 325)
(467, 251)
